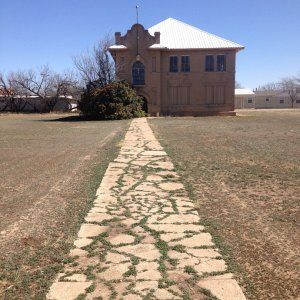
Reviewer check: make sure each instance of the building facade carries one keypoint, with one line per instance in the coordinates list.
(245, 98)
(178, 69)
(275, 99)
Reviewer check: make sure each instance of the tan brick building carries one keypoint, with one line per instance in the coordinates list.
(177, 68)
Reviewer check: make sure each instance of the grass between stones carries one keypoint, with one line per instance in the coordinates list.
(110, 243)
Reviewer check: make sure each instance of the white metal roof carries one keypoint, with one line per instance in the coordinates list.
(243, 92)
(117, 47)
(157, 46)
(175, 34)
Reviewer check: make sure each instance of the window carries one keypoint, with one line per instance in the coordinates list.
(173, 64)
(209, 63)
(219, 94)
(215, 95)
(249, 100)
(122, 64)
(209, 94)
(267, 99)
(153, 64)
(281, 101)
(185, 63)
(179, 95)
(298, 101)
(138, 73)
(221, 63)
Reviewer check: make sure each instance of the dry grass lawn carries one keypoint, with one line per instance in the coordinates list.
(50, 169)
(244, 175)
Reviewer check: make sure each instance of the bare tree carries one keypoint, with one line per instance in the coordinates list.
(11, 96)
(38, 83)
(290, 85)
(6, 93)
(97, 66)
(62, 85)
(47, 86)
(297, 78)
(270, 86)
(238, 85)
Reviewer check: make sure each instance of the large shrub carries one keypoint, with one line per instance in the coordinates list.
(115, 101)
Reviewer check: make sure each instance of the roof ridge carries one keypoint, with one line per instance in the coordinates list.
(181, 35)
(196, 28)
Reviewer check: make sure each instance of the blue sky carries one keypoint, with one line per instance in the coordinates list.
(39, 32)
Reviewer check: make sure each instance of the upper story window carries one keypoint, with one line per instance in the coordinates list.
(185, 63)
(221, 63)
(209, 63)
(173, 64)
(122, 64)
(153, 64)
(138, 73)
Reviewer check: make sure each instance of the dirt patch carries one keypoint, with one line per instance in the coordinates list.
(243, 173)
(50, 170)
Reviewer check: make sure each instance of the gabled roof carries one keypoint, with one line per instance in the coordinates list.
(175, 34)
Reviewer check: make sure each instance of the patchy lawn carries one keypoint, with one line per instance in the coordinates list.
(244, 175)
(50, 169)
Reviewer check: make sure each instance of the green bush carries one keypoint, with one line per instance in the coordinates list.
(115, 101)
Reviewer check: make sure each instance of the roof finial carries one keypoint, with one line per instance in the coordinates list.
(137, 14)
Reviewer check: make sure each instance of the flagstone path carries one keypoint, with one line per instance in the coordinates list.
(143, 238)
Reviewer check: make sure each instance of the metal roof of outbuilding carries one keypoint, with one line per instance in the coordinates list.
(175, 34)
(243, 92)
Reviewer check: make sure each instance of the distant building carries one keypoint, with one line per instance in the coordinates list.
(30, 104)
(245, 98)
(178, 69)
(275, 99)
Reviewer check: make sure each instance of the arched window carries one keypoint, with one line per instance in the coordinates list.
(138, 73)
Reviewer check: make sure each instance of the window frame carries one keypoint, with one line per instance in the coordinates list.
(209, 65)
(122, 64)
(185, 65)
(221, 66)
(153, 61)
(173, 64)
(139, 77)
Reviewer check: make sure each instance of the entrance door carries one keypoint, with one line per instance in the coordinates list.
(145, 104)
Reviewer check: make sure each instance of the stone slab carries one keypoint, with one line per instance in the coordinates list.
(67, 290)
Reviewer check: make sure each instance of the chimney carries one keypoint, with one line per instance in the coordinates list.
(157, 37)
(118, 38)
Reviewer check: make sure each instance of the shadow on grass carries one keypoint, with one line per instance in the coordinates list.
(74, 119)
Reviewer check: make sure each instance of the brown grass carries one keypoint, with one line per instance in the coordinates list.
(243, 173)
(50, 169)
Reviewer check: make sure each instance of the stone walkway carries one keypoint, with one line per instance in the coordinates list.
(143, 239)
